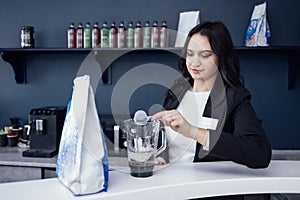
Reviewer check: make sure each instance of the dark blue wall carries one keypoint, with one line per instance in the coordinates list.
(50, 76)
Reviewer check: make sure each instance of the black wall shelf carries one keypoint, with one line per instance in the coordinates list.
(293, 53)
(17, 57)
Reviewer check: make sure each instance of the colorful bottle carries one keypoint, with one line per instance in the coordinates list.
(121, 35)
(138, 35)
(155, 35)
(104, 36)
(164, 35)
(79, 36)
(87, 35)
(113, 36)
(147, 35)
(130, 35)
(95, 35)
(71, 34)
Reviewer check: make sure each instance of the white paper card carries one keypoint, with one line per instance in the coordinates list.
(208, 123)
(187, 21)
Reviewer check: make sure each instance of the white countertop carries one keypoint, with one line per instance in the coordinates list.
(179, 181)
(12, 156)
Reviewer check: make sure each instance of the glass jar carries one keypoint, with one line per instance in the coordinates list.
(27, 39)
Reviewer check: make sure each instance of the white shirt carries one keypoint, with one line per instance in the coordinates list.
(191, 107)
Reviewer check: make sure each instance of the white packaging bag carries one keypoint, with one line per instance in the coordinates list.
(82, 164)
(187, 21)
(258, 32)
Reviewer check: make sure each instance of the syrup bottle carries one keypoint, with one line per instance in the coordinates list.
(104, 35)
(113, 36)
(130, 35)
(138, 35)
(121, 35)
(95, 35)
(164, 35)
(147, 35)
(71, 34)
(155, 35)
(87, 35)
(79, 36)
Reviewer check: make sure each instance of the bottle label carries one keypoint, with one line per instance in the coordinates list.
(155, 38)
(71, 38)
(138, 38)
(95, 38)
(121, 38)
(130, 38)
(146, 37)
(87, 38)
(26, 40)
(104, 38)
(79, 43)
(112, 39)
(164, 38)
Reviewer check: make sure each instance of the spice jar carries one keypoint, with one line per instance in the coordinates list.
(27, 39)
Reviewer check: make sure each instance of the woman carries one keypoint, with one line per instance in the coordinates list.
(208, 114)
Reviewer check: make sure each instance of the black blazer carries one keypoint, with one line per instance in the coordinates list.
(239, 136)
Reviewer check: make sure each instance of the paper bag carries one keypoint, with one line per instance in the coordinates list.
(258, 32)
(187, 21)
(82, 164)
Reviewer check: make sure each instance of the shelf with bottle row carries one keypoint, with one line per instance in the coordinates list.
(17, 57)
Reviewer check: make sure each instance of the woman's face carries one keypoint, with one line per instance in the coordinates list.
(201, 62)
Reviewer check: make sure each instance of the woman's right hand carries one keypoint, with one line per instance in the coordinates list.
(177, 122)
(160, 161)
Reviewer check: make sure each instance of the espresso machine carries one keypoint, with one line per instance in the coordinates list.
(46, 126)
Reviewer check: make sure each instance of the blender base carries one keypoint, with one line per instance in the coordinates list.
(141, 174)
(141, 170)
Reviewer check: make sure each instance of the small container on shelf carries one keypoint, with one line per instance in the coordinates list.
(113, 36)
(27, 36)
(121, 35)
(71, 36)
(155, 33)
(130, 35)
(138, 43)
(12, 138)
(147, 35)
(164, 35)
(104, 35)
(95, 35)
(87, 36)
(79, 36)
(3, 138)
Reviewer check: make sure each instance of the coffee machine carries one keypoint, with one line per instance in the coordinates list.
(46, 125)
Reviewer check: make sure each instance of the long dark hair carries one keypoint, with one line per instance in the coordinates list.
(222, 45)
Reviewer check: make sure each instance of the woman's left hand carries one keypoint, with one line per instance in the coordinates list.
(176, 121)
